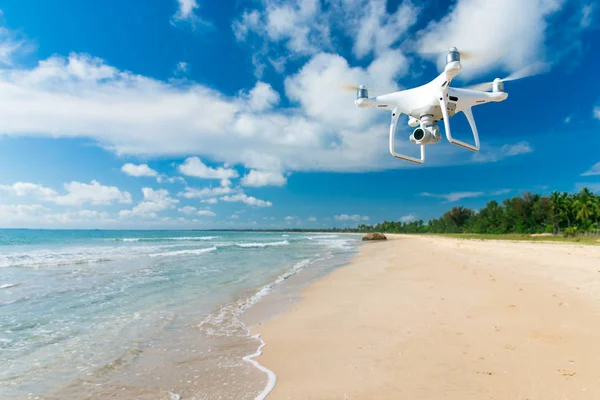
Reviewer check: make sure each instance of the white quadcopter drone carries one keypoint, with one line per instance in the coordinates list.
(427, 104)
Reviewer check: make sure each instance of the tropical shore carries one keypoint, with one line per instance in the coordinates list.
(424, 317)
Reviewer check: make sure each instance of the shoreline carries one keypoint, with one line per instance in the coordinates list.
(478, 319)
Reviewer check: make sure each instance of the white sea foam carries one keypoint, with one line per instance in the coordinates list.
(9, 285)
(268, 244)
(184, 252)
(232, 312)
(159, 239)
(272, 378)
(322, 237)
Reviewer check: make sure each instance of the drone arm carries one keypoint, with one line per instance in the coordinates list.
(395, 116)
(469, 114)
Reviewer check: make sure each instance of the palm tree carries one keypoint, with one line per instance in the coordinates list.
(585, 207)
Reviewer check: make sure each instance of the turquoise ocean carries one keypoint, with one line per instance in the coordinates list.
(147, 314)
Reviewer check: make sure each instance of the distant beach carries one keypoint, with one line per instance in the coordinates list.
(422, 317)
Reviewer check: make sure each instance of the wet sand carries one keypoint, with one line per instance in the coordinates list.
(429, 318)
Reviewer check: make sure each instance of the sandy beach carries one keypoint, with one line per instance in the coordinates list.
(440, 318)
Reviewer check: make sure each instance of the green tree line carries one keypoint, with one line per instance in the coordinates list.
(569, 214)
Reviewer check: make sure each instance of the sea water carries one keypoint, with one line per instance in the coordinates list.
(144, 314)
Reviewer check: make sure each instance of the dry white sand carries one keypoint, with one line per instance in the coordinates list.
(438, 318)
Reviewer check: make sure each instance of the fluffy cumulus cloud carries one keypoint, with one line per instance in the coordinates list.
(375, 30)
(249, 200)
(138, 170)
(262, 97)
(206, 213)
(38, 216)
(82, 96)
(264, 178)
(299, 25)
(187, 210)
(193, 166)
(353, 217)
(93, 193)
(78, 193)
(22, 189)
(154, 201)
(506, 34)
(187, 12)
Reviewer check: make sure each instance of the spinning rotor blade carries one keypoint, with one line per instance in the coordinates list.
(530, 70)
(349, 87)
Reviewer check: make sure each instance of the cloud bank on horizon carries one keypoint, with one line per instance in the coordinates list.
(291, 119)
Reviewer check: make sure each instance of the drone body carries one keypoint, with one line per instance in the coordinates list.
(430, 103)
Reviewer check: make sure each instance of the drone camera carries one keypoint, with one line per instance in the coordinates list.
(426, 135)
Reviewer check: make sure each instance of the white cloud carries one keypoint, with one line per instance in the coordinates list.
(408, 218)
(298, 24)
(454, 196)
(12, 213)
(193, 166)
(186, 8)
(516, 149)
(10, 46)
(78, 193)
(67, 97)
(262, 97)
(595, 170)
(480, 27)
(210, 201)
(170, 179)
(94, 193)
(312, 219)
(234, 216)
(206, 213)
(22, 189)
(192, 193)
(154, 202)
(187, 209)
(597, 112)
(587, 15)
(249, 200)
(36, 215)
(186, 11)
(138, 170)
(373, 28)
(263, 178)
(289, 218)
(353, 217)
(507, 150)
(181, 68)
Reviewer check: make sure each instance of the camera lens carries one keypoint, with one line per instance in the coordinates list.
(418, 134)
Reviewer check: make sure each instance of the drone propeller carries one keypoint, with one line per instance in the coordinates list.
(530, 70)
(349, 87)
(465, 55)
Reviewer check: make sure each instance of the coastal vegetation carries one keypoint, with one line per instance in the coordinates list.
(565, 214)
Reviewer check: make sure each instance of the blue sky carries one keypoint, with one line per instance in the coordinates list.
(197, 114)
